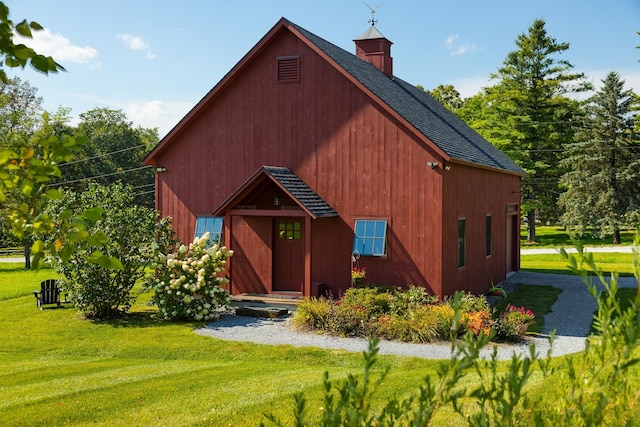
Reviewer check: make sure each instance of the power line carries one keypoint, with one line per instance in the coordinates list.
(100, 155)
(144, 186)
(57, 184)
(144, 193)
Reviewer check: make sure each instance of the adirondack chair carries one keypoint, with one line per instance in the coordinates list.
(49, 293)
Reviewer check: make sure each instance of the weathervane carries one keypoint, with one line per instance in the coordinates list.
(373, 13)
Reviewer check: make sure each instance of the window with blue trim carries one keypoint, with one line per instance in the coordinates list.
(370, 237)
(212, 224)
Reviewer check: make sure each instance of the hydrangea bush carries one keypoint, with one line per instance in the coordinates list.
(188, 283)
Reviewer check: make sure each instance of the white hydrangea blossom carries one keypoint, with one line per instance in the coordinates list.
(189, 282)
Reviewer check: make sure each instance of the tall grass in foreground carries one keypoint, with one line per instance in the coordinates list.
(593, 388)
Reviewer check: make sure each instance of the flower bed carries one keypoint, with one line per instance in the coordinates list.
(410, 315)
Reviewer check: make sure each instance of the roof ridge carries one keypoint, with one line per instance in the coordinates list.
(468, 145)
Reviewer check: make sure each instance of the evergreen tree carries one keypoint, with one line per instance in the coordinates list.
(533, 117)
(603, 187)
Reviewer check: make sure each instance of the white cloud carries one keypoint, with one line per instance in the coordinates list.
(133, 42)
(136, 43)
(455, 49)
(161, 114)
(59, 47)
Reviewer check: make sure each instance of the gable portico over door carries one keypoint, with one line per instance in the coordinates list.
(268, 225)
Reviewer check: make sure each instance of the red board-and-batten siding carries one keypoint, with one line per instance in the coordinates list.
(343, 144)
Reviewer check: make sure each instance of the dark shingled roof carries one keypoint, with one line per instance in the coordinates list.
(421, 110)
(300, 191)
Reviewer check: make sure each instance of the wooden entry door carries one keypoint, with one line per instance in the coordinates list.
(288, 254)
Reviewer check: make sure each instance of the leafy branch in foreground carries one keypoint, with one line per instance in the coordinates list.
(19, 55)
(29, 169)
(595, 387)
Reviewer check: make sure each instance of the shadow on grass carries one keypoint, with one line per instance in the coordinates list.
(537, 298)
(558, 236)
(12, 267)
(143, 318)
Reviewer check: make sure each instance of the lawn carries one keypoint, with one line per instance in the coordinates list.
(621, 263)
(555, 236)
(60, 369)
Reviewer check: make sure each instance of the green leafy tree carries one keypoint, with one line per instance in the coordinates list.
(447, 95)
(29, 169)
(113, 152)
(533, 116)
(603, 185)
(20, 108)
(97, 289)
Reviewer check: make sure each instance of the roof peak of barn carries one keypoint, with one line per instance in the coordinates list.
(428, 116)
(430, 119)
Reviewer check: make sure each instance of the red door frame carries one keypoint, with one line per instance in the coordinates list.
(228, 218)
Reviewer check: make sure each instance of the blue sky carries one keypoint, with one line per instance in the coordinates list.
(155, 59)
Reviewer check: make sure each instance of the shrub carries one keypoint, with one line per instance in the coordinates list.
(426, 323)
(312, 314)
(375, 300)
(97, 289)
(187, 283)
(477, 322)
(467, 302)
(513, 323)
(404, 301)
(348, 320)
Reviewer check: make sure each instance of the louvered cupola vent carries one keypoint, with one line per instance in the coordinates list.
(288, 69)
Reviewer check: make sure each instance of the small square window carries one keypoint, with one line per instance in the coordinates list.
(370, 237)
(213, 225)
(290, 230)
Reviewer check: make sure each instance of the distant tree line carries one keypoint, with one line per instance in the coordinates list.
(112, 151)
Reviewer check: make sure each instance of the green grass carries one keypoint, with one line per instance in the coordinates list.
(554, 236)
(60, 369)
(621, 263)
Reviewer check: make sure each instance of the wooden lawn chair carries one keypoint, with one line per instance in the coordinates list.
(49, 293)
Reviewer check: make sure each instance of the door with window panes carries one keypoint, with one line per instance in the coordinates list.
(288, 254)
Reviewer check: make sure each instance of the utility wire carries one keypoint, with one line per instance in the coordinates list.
(57, 184)
(100, 155)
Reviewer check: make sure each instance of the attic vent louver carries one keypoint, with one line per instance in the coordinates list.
(288, 69)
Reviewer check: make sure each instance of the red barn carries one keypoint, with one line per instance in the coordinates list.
(304, 154)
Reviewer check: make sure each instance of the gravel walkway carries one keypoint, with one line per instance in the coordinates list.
(571, 317)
